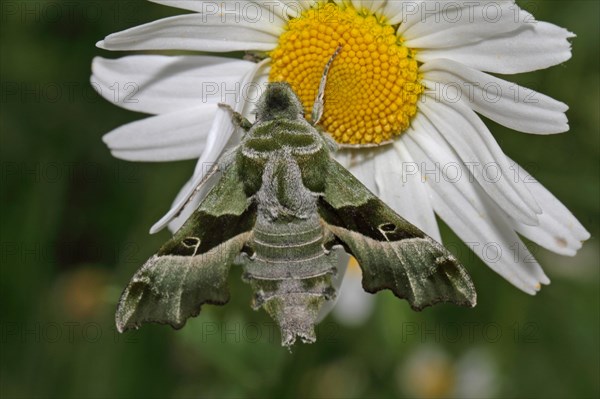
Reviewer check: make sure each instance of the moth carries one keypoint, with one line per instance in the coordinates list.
(281, 207)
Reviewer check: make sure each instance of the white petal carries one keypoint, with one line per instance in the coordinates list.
(204, 7)
(457, 23)
(412, 12)
(507, 103)
(535, 46)
(176, 223)
(286, 9)
(233, 6)
(293, 6)
(157, 84)
(400, 186)
(400, 11)
(168, 137)
(559, 231)
(475, 145)
(199, 32)
(371, 6)
(306, 4)
(474, 217)
(344, 157)
(357, 4)
(389, 173)
(192, 5)
(362, 166)
(255, 90)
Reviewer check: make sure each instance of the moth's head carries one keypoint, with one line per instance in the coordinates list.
(279, 102)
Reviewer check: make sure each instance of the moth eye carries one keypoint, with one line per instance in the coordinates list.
(191, 242)
(387, 227)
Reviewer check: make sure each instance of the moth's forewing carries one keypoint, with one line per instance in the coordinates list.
(393, 254)
(191, 269)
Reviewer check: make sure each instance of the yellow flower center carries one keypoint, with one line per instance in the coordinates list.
(373, 85)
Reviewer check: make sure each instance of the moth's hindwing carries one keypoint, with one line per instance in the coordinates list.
(393, 254)
(192, 268)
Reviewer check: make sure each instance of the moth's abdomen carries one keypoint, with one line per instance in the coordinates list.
(291, 273)
(286, 253)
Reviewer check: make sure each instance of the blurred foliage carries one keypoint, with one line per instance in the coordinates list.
(75, 227)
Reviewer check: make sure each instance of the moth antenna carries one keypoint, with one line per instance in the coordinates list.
(237, 118)
(317, 111)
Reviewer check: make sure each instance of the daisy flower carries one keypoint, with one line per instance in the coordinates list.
(403, 100)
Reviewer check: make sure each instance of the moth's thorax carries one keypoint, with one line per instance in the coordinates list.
(268, 136)
(292, 139)
(282, 196)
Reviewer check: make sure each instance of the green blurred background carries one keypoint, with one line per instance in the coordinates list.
(75, 227)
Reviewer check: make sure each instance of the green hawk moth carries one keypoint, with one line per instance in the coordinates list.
(284, 203)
